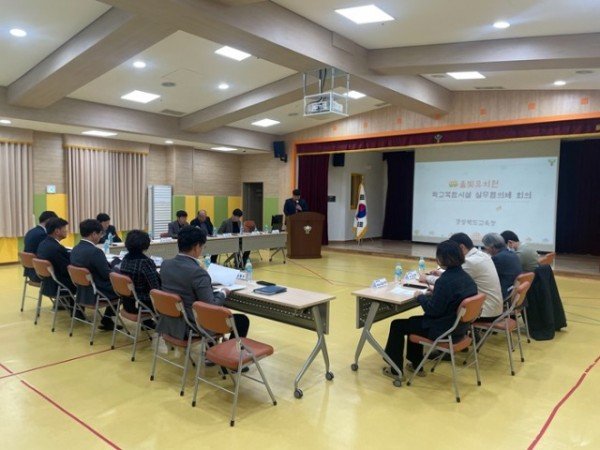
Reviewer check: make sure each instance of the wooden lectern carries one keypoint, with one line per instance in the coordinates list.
(305, 232)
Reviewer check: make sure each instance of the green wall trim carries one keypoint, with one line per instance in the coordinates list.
(178, 203)
(221, 212)
(39, 204)
(270, 208)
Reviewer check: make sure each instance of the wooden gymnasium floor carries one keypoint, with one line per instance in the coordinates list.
(58, 392)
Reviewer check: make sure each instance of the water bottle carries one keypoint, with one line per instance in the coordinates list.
(266, 228)
(207, 262)
(398, 273)
(106, 247)
(110, 239)
(421, 265)
(249, 270)
(241, 226)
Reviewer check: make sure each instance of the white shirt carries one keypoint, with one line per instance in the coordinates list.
(481, 268)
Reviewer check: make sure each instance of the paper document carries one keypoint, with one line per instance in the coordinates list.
(223, 275)
(401, 291)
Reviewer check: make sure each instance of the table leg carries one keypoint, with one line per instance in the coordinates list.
(367, 336)
(321, 346)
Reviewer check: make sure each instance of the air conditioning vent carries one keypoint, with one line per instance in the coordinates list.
(171, 112)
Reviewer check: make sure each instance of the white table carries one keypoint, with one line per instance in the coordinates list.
(373, 305)
(274, 242)
(296, 307)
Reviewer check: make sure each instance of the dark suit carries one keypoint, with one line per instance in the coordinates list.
(183, 276)
(32, 240)
(289, 208)
(86, 254)
(110, 230)
(508, 266)
(52, 250)
(175, 228)
(207, 225)
(229, 226)
(440, 314)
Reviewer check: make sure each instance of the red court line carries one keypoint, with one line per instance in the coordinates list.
(560, 403)
(313, 272)
(12, 374)
(6, 369)
(71, 415)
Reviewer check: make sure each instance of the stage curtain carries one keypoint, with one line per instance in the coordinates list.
(313, 172)
(578, 214)
(561, 128)
(399, 199)
(16, 188)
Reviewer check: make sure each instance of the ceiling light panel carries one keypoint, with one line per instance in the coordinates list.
(501, 24)
(17, 32)
(99, 133)
(466, 75)
(365, 14)
(224, 149)
(356, 95)
(140, 96)
(233, 53)
(265, 123)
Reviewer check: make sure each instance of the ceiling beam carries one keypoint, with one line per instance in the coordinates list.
(110, 40)
(546, 52)
(91, 115)
(271, 32)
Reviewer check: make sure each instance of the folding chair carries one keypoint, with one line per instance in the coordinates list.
(505, 323)
(45, 271)
(234, 354)
(170, 305)
(468, 311)
(124, 288)
(81, 277)
(26, 260)
(522, 310)
(547, 259)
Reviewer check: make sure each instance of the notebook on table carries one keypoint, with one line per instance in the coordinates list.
(270, 290)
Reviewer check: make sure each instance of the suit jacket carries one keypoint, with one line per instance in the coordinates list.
(32, 240)
(453, 286)
(206, 225)
(143, 273)
(53, 251)
(545, 312)
(228, 226)
(183, 276)
(86, 254)
(289, 208)
(175, 228)
(508, 267)
(110, 230)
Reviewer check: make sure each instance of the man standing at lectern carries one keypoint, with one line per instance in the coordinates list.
(295, 204)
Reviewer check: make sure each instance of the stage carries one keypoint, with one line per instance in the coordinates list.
(587, 266)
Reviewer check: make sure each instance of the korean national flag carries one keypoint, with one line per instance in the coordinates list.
(360, 218)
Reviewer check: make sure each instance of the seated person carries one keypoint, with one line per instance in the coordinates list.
(507, 263)
(104, 219)
(53, 251)
(453, 286)
(33, 238)
(203, 221)
(527, 255)
(233, 226)
(480, 267)
(87, 255)
(177, 225)
(140, 268)
(184, 276)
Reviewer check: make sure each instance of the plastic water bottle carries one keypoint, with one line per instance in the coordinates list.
(110, 238)
(241, 228)
(266, 228)
(207, 262)
(398, 273)
(249, 270)
(106, 247)
(421, 265)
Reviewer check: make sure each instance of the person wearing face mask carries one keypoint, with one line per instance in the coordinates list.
(527, 255)
(440, 306)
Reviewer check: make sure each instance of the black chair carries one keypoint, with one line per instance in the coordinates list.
(277, 222)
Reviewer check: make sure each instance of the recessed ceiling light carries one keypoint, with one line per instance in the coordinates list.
(355, 95)
(17, 32)
(139, 64)
(168, 141)
(466, 75)
(232, 53)
(5, 122)
(140, 96)
(365, 14)
(265, 123)
(501, 24)
(224, 149)
(560, 83)
(99, 133)
(223, 86)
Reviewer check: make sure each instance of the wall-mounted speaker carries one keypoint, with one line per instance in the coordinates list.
(279, 150)
(339, 159)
